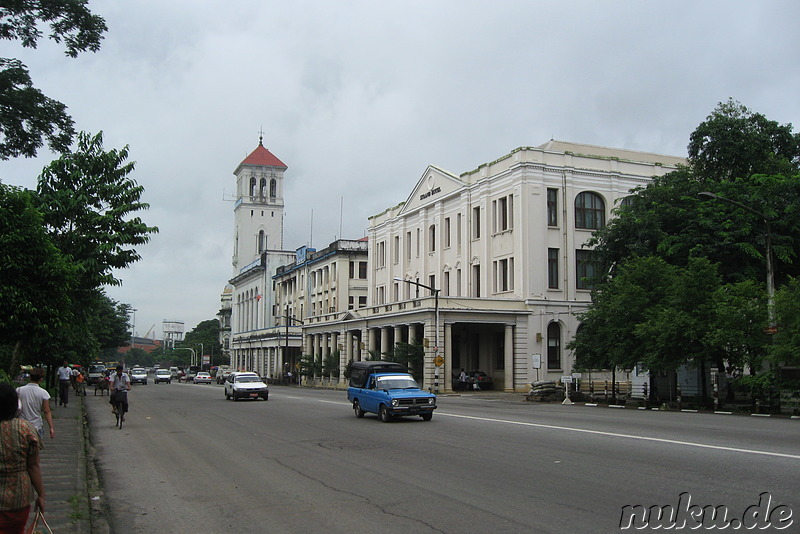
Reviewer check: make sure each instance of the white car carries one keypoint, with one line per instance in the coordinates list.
(163, 375)
(138, 376)
(245, 386)
(202, 378)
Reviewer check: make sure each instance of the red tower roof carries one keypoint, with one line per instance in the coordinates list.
(262, 156)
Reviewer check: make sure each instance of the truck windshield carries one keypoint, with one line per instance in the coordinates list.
(396, 382)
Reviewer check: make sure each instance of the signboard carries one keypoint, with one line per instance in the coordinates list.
(536, 361)
(576, 375)
(566, 379)
(438, 361)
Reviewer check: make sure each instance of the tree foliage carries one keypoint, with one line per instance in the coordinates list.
(666, 228)
(786, 347)
(28, 117)
(207, 333)
(87, 200)
(36, 279)
(734, 142)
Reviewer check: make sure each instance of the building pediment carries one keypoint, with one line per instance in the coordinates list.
(350, 315)
(435, 184)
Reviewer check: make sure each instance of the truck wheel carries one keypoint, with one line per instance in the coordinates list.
(357, 409)
(383, 414)
(427, 416)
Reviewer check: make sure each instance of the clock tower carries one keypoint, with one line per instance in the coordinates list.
(258, 211)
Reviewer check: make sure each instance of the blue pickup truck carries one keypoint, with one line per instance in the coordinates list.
(387, 389)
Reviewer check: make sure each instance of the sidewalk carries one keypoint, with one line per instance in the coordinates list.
(68, 473)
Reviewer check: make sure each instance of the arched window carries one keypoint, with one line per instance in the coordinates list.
(590, 211)
(262, 241)
(263, 188)
(253, 186)
(273, 188)
(554, 346)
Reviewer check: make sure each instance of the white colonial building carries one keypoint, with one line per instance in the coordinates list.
(503, 246)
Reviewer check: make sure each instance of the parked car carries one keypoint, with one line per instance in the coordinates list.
(138, 375)
(387, 389)
(202, 378)
(480, 378)
(245, 386)
(163, 375)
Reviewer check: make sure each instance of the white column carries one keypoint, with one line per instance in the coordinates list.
(509, 357)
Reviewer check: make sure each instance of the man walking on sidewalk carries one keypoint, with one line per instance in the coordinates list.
(64, 376)
(35, 401)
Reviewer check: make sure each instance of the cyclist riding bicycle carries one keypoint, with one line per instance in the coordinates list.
(120, 385)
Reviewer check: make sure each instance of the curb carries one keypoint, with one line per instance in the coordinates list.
(686, 410)
(94, 491)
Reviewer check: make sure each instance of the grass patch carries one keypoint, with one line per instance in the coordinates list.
(76, 514)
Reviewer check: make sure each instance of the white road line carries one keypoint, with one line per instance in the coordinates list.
(628, 436)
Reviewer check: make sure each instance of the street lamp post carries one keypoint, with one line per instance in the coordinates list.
(771, 321)
(133, 328)
(436, 329)
(289, 319)
(186, 348)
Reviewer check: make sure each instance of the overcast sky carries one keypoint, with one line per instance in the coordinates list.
(358, 97)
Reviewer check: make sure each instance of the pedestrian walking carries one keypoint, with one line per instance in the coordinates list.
(20, 473)
(462, 380)
(35, 402)
(64, 377)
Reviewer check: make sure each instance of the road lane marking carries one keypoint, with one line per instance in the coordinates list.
(604, 433)
(627, 436)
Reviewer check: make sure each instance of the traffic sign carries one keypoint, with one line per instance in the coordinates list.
(438, 361)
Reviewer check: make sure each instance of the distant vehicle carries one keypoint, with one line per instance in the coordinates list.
(189, 375)
(163, 375)
(222, 373)
(245, 386)
(138, 375)
(387, 389)
(96, 373)
(173, 371)
(481, 379)
(202, 378)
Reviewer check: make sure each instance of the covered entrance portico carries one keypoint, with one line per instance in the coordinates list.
(494, 340)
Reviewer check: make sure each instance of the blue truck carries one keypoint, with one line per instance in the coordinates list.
(388, 390)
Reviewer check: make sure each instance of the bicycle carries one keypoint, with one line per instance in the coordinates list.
(120, 403)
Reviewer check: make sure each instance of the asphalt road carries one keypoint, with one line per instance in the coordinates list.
(187, 460)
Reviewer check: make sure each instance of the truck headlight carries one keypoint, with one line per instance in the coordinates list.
(395, 402)
(432, 401)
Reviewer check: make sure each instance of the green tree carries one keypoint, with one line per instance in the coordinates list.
(330, 364)
(36, 280)
(734, 142)
(736, 328)
(786, 347)
(207, 333)
(27, 117)
(410, 355)
(310, 366)
(88, 202)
